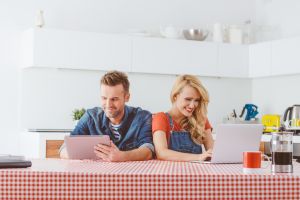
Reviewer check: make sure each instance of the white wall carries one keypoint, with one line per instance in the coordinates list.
(121, 15)
(9, 53)
(50, 95)
(280, 18)
(275, 94)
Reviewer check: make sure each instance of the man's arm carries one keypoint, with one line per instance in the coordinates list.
(145, 150)
(113, 154)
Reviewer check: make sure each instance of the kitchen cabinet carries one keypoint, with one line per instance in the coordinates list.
(169, 56)
(41, 144)
(233, 60)
(285, 56)
(96, 51)
(260, 60)
(75, 50)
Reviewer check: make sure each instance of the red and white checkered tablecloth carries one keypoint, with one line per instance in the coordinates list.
(73, 179)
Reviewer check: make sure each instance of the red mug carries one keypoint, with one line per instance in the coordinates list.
(252, 161)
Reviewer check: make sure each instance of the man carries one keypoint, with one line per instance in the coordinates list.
(129, 128)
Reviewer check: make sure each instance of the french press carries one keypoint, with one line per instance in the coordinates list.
(282, 152)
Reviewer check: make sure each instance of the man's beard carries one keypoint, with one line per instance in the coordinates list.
(112, 114)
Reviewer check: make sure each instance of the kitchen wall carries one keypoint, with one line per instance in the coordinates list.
(9, 54)
(48, 96)
(121, 15)
(278, 19)
(275, 94)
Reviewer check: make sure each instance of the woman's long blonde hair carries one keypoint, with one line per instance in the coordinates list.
(196, 123)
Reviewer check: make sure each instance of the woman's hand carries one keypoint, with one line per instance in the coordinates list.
(205, 156)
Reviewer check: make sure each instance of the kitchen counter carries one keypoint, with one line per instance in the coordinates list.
(75, 179)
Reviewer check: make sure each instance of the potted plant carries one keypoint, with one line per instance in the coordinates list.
(77, 114)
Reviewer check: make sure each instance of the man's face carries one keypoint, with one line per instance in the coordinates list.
(113, 99)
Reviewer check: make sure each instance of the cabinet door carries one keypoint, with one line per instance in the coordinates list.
(233, 60)
(285, 56)
(168, 56)
(77, 50)
(52, 148)
(260, 59)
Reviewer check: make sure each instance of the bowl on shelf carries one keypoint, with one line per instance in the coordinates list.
(195, 34)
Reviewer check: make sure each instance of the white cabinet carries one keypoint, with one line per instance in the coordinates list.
(76, 50)
(97, 51)
(260, 59)
(40, 144)
(285, 56)
(168, 56)
(233, 60)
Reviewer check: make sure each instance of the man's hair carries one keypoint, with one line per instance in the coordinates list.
(113, 78)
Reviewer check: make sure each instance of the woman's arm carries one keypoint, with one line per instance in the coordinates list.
(163, 153)
(208, 140)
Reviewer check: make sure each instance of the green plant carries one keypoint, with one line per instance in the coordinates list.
(78, 113)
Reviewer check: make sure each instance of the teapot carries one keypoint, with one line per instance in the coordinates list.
(170, 32)
(291, 117)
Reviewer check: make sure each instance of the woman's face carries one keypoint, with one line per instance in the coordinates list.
(187, 101)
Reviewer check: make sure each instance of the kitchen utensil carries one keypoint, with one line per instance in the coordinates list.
(282, 152)
(271, 123)
(251, 111)
(195, 34)
(291, 118)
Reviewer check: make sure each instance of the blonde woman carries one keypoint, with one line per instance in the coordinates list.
(179, 133)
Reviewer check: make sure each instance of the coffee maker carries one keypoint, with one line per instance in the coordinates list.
(282, 152)
(291, 119)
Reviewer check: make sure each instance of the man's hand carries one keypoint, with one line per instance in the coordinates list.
(63, 153)
(109, 153)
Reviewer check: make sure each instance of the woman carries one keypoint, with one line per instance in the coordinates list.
(179, 133)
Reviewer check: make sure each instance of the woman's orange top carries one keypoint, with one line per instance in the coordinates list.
(160, 121)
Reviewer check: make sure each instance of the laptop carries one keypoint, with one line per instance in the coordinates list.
(11, 161)
(232, 140)
(82, 146)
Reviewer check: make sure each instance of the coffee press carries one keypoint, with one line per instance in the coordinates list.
(282, 152)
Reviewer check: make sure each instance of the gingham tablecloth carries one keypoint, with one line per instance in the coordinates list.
(73, 179)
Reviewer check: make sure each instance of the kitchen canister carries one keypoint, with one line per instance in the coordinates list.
(235, 34)
(39, 21)
(217, 33)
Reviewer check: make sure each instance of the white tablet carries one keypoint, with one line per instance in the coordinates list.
(82, 146)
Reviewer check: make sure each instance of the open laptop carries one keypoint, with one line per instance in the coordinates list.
(232, 140)
(82, 146)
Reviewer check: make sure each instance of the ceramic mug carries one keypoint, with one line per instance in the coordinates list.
(252, 162)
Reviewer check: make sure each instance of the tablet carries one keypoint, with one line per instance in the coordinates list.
(82, 146)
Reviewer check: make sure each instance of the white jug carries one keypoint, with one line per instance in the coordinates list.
(235, 34)
(217, 33)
